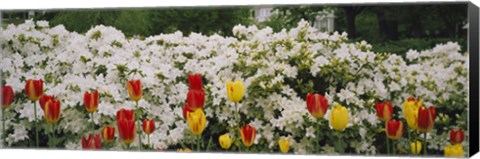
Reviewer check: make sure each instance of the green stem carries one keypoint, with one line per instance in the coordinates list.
(393, 146)
(139, 128)
(93, 124)
(318, 135)
(53, 136)
(425, 144)
(198, 142)
(149, 141)
(35, 125)
(415, 140)
(388, 145)
(408, 139)
(4, 133)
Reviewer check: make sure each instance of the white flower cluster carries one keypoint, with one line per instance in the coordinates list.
(278, 69)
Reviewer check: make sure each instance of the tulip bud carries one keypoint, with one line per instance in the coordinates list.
(34, 89)
(235, 91)
(93, 142)
(456, 136)
(418, 147)
(148, 126)
(135, 89)
(90, 101)
(195, 99)
(284, 144)
(455, 150)
(225, 141)
(317, 105)
(108, 134)
(394, 129)
(195, 81)
(52, 111)
(248, 134)
(425, 119)
(339, 118)
(7, 96)
(384, 110)
(44, 99)
(196, 121)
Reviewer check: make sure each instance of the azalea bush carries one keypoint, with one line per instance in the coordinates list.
(277, 70)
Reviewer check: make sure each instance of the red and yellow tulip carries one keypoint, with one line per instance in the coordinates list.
(126, 126)
(248, 134)
(135, 89)
(7, 96)
(195, 99)
(456, 136)
(196, 121)
(148, 126)
(394, 129)
(235, 91)
(93, 142)
(384, 110)
(34, 89)
(410, 111)
(317, 105)
(426, 118)
(52, 111)
(90, 101)
(108, 134)
(44, 99)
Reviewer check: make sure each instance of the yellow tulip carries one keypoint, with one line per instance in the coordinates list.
(225, 141)
(419, 147)
(235, 91)
(454, 150)
(284, 144)
(410, 111)
(196, 121)
(184, 150)
(339, 117)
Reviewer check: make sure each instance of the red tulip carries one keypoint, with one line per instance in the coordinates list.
(384, 110)
(148, 126)
(108, 134)
(90, 101)
(34, 89)
(44, 99)
(124, 114)
(126, 126)
(126, 130)
(195, 99)
(317, 105)
(93, 142)
(52, 111)
(394, 129)
(135, 89)
(7, 96)
(185, 111)
(195, 81)
(425, 119)
(248, 134)
(456, 136)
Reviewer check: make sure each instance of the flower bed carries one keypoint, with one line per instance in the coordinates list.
(277, 71)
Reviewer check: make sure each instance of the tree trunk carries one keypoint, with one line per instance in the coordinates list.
(351, 12)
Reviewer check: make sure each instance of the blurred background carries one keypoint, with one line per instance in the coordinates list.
(394, 28)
